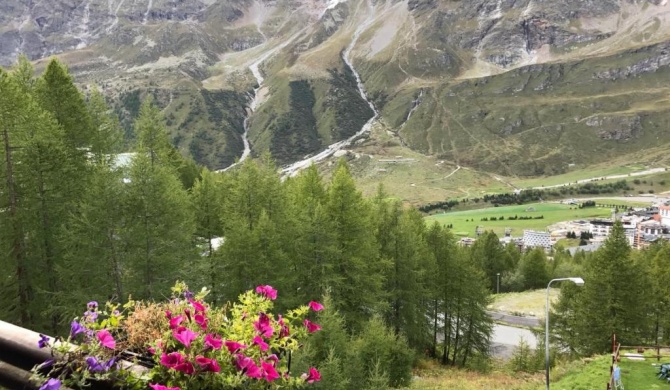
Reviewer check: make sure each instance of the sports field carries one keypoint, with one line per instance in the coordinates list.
(465, 222)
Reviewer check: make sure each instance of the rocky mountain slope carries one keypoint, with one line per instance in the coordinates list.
(519, 87)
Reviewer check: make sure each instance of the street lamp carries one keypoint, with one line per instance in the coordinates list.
(498, 284)
(578, 282)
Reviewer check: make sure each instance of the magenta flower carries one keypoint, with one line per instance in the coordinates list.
(274, 359)
(201, 320)
(185, 367)
(263, 326)
(313, 376)
(156, 386)
(207, 364)
(188, 314)
(184, 336)
(267, 291)
(269, 372)
(311, 326)
(284, 330)
(316, 306)
(171, 360)
(253, 371)
(233, 346)
(175, 321)
(51, 384)
(168, 315)
(261, 344)
(106, 339)
(199, 307)
(213, 341)
(242, 361)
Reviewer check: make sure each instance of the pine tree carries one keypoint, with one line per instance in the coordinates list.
(489, 254)
(107, 134)
(609, 302)
(356, 277)
(534, 269)
(159, 228)
(93, 243)
(58, 95)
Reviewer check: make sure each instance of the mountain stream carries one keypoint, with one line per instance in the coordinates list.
(293, 169)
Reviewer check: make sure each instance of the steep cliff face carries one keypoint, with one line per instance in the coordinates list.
(515, 86)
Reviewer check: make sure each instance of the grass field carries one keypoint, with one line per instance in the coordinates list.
(523, 303)
(635, 375)
(580, 174)
(465, 222)
(436, 377)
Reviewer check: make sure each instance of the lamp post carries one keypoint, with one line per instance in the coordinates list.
(498, 283)
(578, 282)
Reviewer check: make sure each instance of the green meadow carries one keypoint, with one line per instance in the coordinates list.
(465, 222)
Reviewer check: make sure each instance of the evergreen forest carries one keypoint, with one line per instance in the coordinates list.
(76, 226)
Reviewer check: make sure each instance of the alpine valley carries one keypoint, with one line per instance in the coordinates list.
(508, 87)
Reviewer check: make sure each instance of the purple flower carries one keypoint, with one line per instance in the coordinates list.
(46, 364)
(75, 328)
(188, 295)
(92, 305)
(109, 364)
(51, 384)
(94, 365)
(44, 341)
(91, 316)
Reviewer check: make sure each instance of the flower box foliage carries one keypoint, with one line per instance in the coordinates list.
(183, 343)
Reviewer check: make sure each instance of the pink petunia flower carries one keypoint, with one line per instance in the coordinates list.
(253, 371)
(198, 306)
(263, 326)
(316, 306)
(261, 344)
(206, 364)
(185, 336)
(157, 386)
(267, 291)
(242, 362)
(273, 358)
(269, 372)
(201, 320)
(213, 341)
(176, 321)
(106, 339)
(185, 367)
(311, 326)
(171, 360)
(313, 376)
(284, 330)
(233, 346)
(168, 315)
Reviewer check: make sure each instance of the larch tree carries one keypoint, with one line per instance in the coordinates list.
(357, 274)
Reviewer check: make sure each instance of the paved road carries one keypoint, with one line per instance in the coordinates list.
(592, 179)
(514, 320)
(506, 338)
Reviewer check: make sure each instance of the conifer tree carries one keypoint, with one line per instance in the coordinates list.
(312, 251)
(58, 95)
(534, 269)
(356, 277)
(609, 301)
(489, 254)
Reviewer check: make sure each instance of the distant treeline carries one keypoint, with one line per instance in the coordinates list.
(532, 195)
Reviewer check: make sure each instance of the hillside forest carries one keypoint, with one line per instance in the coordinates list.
(76, 226)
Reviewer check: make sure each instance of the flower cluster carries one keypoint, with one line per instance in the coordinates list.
(89, 352)
(200, 346)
